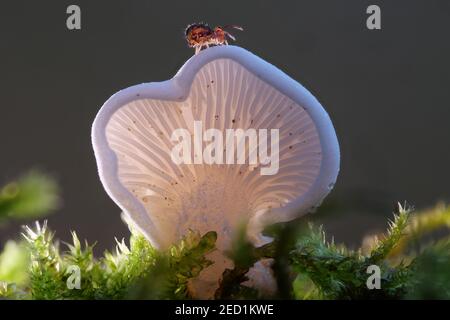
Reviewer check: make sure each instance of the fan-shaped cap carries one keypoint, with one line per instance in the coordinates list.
(224, 88)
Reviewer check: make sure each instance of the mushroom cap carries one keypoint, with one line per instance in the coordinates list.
(224, 87)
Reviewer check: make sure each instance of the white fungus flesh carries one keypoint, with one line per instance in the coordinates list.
(221, 88)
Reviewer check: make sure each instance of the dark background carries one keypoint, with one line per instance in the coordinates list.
(386, 91)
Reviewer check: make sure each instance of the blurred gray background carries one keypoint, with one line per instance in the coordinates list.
(386, 91)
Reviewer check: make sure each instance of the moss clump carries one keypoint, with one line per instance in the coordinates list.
(306, 265)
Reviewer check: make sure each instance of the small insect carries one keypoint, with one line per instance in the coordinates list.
(199, 35)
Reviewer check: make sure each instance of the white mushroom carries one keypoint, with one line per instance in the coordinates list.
(223, 87)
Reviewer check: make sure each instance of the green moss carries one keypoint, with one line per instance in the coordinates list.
(305, 264)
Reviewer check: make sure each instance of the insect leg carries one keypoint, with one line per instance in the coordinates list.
(231, 36)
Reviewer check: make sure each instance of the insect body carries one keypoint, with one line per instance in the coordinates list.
(199, 35)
